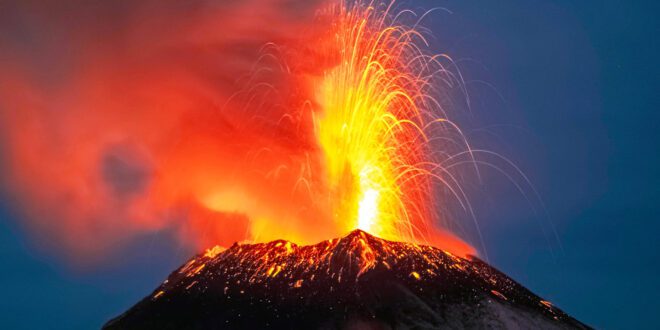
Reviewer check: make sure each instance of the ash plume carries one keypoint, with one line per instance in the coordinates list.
(121, 118)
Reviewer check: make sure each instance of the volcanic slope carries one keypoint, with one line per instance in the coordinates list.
(355, 282)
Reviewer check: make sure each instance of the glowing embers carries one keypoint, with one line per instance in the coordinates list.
(158, 294)
(498, 294)
(283, 270)
(214, 251)
(358, 270)
(274, 270)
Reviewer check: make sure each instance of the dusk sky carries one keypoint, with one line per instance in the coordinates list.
(567, 91)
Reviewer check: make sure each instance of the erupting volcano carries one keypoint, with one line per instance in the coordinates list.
(384, 143)
(226, 129)
(355, 282)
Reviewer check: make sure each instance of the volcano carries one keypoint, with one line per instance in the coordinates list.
(355, 282)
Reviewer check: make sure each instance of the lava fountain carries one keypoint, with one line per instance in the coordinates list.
(376, 125)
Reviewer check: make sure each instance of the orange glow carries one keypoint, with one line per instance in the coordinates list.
(374, 127)
(327, 125)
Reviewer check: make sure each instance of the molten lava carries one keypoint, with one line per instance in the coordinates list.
(371, 128)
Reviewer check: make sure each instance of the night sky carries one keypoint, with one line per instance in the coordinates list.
(566, 90)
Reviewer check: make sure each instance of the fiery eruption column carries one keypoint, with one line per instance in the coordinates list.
(377, 122)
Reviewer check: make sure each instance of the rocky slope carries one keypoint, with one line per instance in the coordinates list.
(356, 282)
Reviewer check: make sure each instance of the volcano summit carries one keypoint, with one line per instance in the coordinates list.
(355, 282)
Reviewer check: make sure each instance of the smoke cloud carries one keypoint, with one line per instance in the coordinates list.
(119, 118)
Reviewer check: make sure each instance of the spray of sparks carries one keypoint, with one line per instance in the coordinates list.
(378, 123)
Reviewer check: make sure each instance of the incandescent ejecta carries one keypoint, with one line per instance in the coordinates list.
(355, 282)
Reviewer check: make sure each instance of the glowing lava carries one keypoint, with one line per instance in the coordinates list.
(377, 120)
(368, 211)
(333, 284)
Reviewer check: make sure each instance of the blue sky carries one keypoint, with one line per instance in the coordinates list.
(577, 81)
(566, 90)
